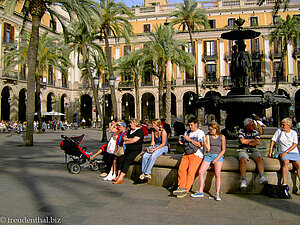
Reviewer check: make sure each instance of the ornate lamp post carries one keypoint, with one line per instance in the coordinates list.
(96, 83)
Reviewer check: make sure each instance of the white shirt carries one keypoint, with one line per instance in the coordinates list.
(199, 134)
(285, 140)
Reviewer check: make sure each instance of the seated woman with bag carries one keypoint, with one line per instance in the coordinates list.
(159, 146)
(133, 142)
(287, 141)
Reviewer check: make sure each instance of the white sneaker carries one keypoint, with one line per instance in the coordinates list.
(112, 177)
(108, 176)
(263, 180)
(218, 198)
(243, 184)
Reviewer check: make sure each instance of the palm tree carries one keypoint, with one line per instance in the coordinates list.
(114, 22)
(134, 65)
(164, 51)
(51, 52)
(83, 42)
(82, 10)
(194, 18)
(285, 32)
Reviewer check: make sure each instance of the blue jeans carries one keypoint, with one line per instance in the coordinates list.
(149, 159)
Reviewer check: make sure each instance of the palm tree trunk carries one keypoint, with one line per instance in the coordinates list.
(196, 73)
(38, 93)
(32, 56)
(160, 90)
(95, 92)
(137, 99)
(111, 74)
(168, 91)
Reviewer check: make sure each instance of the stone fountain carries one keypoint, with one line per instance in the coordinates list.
(239, 103)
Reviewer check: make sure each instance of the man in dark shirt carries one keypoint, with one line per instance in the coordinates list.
(249, 139)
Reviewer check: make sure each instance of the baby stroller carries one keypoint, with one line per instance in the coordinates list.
(77, 155)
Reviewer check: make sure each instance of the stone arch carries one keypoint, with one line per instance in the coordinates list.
(5, 103)
(297, 105)
(212, 110)
(189, 108)
(22, 105)
(148, 106)
(86, 109)
(64, 106)
(128, 106)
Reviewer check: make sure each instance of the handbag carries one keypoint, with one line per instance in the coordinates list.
(277, 191)
(119, 151)
(277, 151)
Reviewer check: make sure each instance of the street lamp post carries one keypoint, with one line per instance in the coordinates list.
(96, 83)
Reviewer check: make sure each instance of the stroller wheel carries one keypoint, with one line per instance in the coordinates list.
(74, 168)
(94, 166)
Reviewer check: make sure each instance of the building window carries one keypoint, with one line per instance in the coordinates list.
(254, 45)
(212, 23)
(9, 33)
(50, 75)
(276, 71)
(210, 48)
(230, 22)
(65, 79)
(254, 21)
(256, 72)
(297, 47)
(126, 50)
(298, 72)
(53, 25)
(277, 46)
(211, 72)
(147, 28)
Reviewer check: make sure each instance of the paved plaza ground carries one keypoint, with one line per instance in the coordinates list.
(35, 184)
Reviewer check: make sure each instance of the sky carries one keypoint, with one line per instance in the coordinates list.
(130, 3)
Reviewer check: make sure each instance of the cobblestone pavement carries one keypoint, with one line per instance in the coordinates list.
(36, 188)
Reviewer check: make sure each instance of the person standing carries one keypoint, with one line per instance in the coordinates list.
(133, 142)
(215, 145)
(192, 141)
(159, 146)
(287, 141)
(249, 139)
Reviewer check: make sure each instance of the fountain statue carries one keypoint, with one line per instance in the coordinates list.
(239, 103)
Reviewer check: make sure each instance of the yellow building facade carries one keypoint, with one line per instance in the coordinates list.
(73, 97)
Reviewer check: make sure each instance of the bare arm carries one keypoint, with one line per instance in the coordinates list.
(206, 143)
(271, 148)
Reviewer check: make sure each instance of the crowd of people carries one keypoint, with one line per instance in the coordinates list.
(200, 151)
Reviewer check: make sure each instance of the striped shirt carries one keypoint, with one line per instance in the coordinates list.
(254, 134)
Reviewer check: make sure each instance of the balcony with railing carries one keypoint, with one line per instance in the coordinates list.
(188, 82)
(126, 85)
(296, 80)
(257, 54)
(10, 77)
(211, 56)
(257, 80)
(275, 54)
(147, 83)
(211, 82)
(227, 83)
(282, 79)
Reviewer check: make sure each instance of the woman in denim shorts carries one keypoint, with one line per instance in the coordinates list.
(215, 145)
